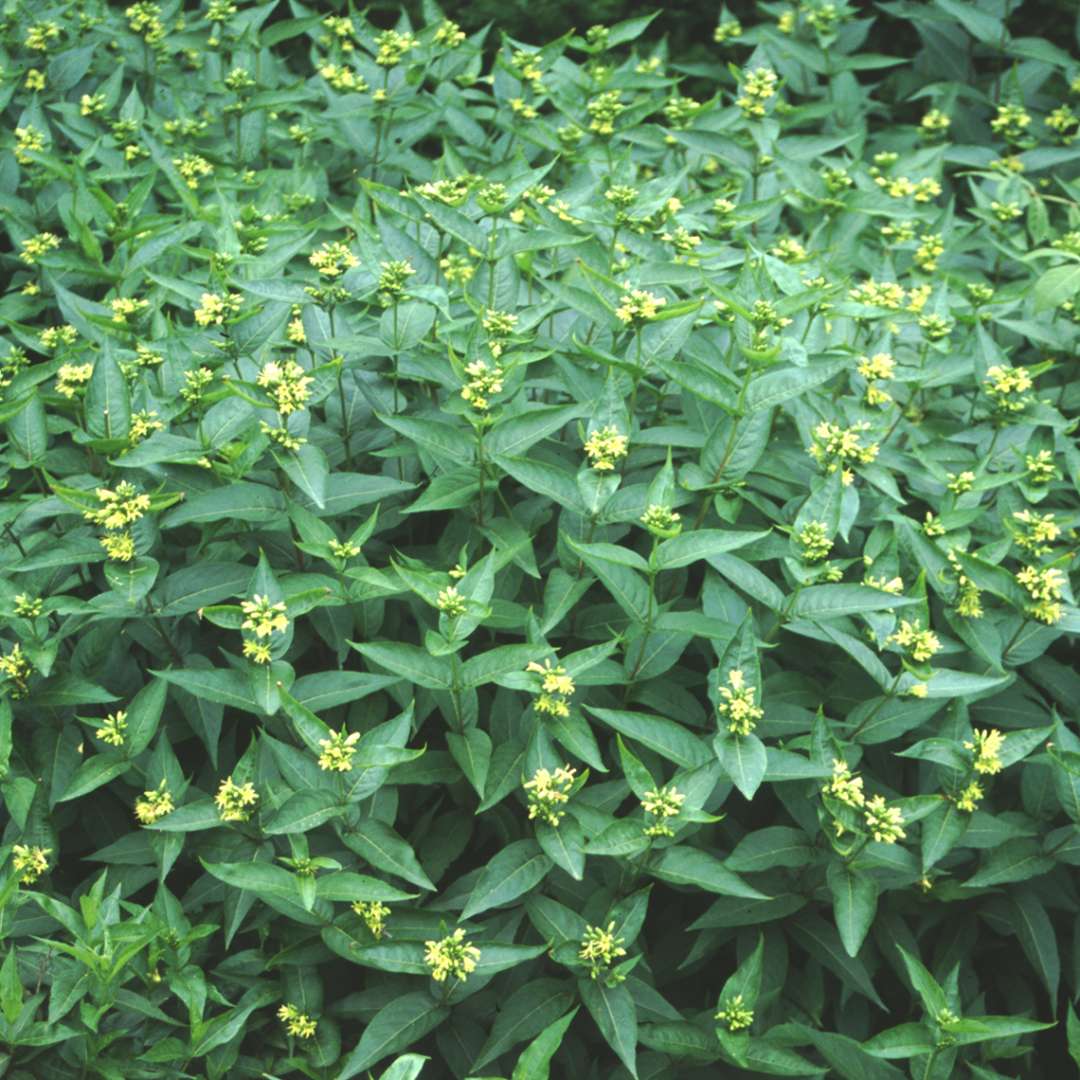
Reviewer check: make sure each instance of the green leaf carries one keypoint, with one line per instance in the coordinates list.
(744, 760)
(535, 1062)
(665, 737)
(696, 868)
(688, 547)
(515, 870)
(381, 846)
(615, 1014)
(401, 1023)
(831, 601)
(855, 897)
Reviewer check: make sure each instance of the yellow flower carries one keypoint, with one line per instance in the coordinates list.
(884, 822)
(968, 799)
(735, 1014)
(663, 803)
(1044, 585)
(257, 651)
(451, 603)
(737, 704)
(154, 805)
(192, 168)
(120, 507)
(214, 309)
(338, 751)
(845, 786)
(72, 377)
(600, 947)
(556, 688)
(986, 745)
(332, 259)
(30, 862)
(374, 913)
(452, 955)
(235, 802)
(287, 383)
(605, 446)
(638, 306)
(921, 644)
(297, 1024)
(36, 246)
(264, 617)
(112, 728)
(548, 791)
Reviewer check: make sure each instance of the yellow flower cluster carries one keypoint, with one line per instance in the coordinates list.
(986, 745)
(30, 862)
(758, 86)
(605, 446)
(845, 786)
(879, 366)
(968, 799)
(548, 792)
(112, 728)
(930, 249)
(935, 122)
(884, 822)
(54, 337)
(118, 508)
(735, 1014)
(814, 540)
(1008, 387)
(73, 377)
(297, 1024)
(638, 306)
(451, 956)
(1040, 467)
(451, 603)
(193, 167)
(341, 77)
(1038, 532)
(27, 606)
(737, 704)
(392, 47)
(333, 258)
(662, 804)
(338, 750)
(603, 111)
(1044, 585)
(287, 383)
(884, 294)
(154, 805)
(661, 521)
(893, 585)
(16, 667)
(920, 644)
(145, 19)
(483, 382)
(556, 688)
(393, 279)
(835, 448)
(235, 802)
(264, 618)
(498, 325)
(36, 246)
(144, 423)
(449, 34)
(28, 140)
(39, 35)
(1011, 121)
(374, 914)
(214, 309)
(125, 307)
(600, 947)
(899, 187)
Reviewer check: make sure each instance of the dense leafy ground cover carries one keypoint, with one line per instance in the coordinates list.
(533, 561)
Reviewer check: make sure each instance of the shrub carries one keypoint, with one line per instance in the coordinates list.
(512, 565)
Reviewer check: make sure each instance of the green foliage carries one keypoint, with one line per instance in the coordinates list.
(511, 570)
